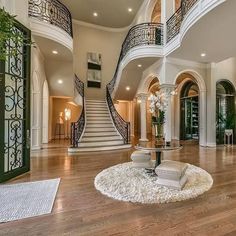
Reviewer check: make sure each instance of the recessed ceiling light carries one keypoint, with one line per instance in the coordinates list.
(60, 81)
(139, 65)
(127, 88)
(95, 14)
(203, 54)
(55, 52)
(130, 9)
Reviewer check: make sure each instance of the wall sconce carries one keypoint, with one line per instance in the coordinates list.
(67, 119)
(67, 114)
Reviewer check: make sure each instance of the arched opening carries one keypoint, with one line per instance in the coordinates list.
(156, 13)
(225, 109)
(189, 112)
(35, 113)
(45, 117)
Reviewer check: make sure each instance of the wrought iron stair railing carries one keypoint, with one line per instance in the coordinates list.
(77, 128)
(52, 12)
(174, 23)
(122, 126)
(140, 35)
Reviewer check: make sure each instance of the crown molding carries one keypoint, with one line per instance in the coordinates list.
(99, 27)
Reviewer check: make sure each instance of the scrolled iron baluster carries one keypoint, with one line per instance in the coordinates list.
(53, 12)
(77, 128)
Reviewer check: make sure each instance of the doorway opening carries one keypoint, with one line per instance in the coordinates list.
(225, 109)
(189, 115)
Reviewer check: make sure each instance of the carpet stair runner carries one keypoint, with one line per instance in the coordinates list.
(100, 133)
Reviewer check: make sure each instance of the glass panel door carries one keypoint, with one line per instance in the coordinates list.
(15, 108)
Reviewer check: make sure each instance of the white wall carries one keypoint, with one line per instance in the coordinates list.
(108, 43)
(18, 8)
(38, 77)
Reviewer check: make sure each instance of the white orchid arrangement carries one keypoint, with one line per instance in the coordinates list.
(158, 106)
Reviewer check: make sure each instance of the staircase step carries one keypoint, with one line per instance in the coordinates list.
(96, 105)
(92, 118)
(97, 130)
(97, 113)
(88, 109)
(99, 134)
(103, 138)
(95, 101)
(100, 144)
(95, 121)
(92, 115)
(99, 125)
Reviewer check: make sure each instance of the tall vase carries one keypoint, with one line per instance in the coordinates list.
(158, 128)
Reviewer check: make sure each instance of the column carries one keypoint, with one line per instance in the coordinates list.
(209, 99)
(143, 116)
(167, 89)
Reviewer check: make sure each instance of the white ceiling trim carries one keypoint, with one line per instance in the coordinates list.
(99, 27)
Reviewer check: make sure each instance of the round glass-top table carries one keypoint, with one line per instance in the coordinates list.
(158, 149)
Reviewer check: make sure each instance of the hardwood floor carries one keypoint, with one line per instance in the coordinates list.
(80, 210)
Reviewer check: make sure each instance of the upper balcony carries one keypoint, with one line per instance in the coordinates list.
(142, 41)
(51, 19)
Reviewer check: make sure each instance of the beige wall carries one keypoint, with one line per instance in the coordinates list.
(59, 105)
(62, 70)
(88, 39)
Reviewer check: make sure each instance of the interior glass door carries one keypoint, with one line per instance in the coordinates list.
(15, 108)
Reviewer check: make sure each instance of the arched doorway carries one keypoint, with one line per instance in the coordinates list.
(189, 111)
(182, 78)
(225, 109)
(156, 13)
(45, 117)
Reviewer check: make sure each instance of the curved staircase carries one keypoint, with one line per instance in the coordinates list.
(99, 134)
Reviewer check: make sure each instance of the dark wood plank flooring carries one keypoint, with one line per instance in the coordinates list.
(81, 210)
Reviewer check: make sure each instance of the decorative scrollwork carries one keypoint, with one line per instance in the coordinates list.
(77, 128)
(15, 103)
(174, 23)
(53, 12)
(122, 126)
(139, 35)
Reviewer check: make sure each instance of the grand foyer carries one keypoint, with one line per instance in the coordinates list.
(153, 47)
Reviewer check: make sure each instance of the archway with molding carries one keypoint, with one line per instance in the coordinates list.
(225, 110)
(45, 112)
(180, 80)
(35, 112)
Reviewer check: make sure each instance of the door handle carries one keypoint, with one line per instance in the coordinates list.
(28, 139)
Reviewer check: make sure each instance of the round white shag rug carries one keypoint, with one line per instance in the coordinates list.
(122, 182)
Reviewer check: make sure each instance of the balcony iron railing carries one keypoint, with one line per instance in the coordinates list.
(52, 12)
(77, 128)
(174, 23)
(140, 35)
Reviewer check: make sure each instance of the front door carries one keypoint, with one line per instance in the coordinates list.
(15, 108)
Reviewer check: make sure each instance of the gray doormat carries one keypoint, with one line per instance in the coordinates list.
(19, 201)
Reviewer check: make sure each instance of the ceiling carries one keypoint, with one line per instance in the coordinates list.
(47, 46)
(131, 77)
(213, 34)
(111, 13)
